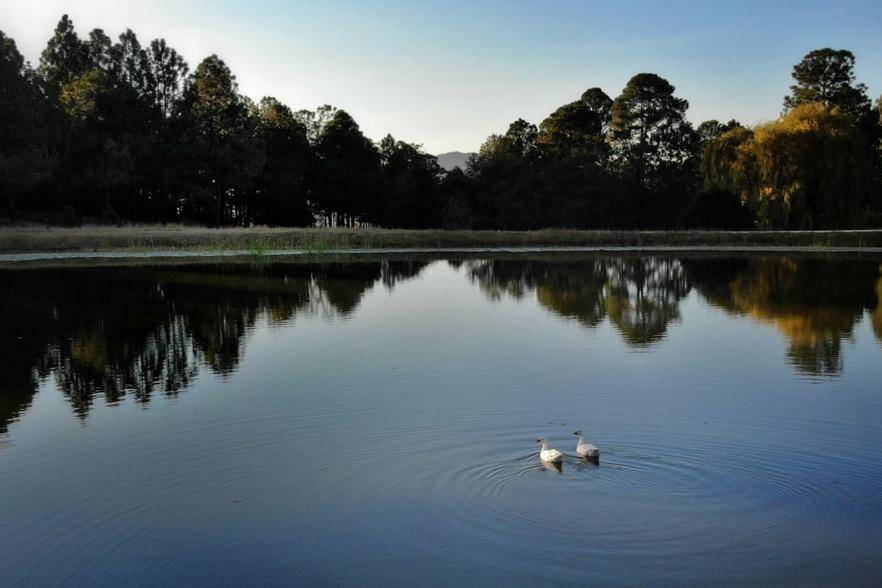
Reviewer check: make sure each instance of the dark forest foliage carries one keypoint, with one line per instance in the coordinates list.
(116, 131)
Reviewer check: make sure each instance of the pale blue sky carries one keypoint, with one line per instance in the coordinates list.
(448, 73)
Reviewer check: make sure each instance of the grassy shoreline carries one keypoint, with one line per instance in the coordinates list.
(262, 239)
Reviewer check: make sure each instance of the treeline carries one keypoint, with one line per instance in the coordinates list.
(116, 131)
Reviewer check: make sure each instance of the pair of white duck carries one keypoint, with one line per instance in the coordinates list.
(583, 448)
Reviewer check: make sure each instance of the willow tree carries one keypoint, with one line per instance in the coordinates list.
(727, 161)
(810, 169)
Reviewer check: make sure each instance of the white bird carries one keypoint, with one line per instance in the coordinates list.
(547, 453)
(586, 449)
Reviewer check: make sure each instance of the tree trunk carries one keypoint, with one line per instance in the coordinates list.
(219, 199)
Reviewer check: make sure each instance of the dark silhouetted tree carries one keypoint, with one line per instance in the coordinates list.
(348, 177)
(827, 76)
(410, 185)
(65, 57)
(222, 137)
(282, 184)
(575, 129)
(25, 160)
(651, 136)
(654, 144)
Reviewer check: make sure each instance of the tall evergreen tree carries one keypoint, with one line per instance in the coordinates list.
(651, 136)
(65, 57)
(410, 185)
(283, 182)
(221, 135)
(349, 170)
(167, 76)
(827, 76)
(25, 159)
(575, 129)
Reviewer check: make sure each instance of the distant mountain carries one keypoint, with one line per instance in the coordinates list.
(453, 159)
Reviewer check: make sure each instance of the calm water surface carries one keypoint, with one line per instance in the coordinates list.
(375, 422)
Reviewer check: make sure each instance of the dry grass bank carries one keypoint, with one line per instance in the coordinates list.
(178, 237)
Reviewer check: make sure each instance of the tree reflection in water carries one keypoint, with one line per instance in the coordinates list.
(815, 303)
(639, 296)
(138, 332)
(116, 332)
(876, 317)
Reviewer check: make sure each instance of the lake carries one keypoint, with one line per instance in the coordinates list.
(375, 421)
